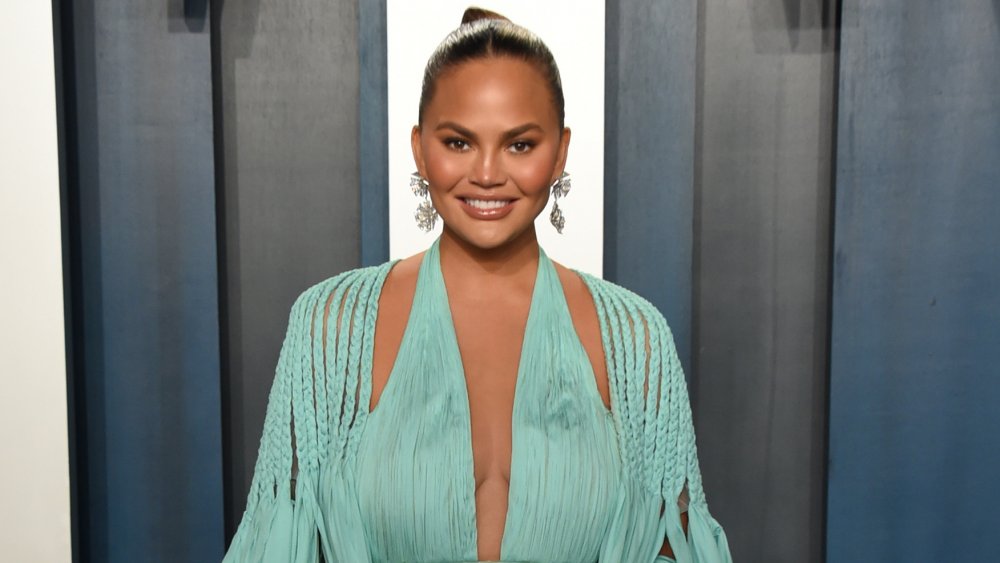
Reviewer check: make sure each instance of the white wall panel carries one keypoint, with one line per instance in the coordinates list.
(34, 476)
(574, 31)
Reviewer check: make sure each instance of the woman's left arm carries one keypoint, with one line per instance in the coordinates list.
(665, 550)
(664, 517)
(692, 535)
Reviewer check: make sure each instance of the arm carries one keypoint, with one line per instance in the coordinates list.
(698, 537)
(316, 404)
(682, 505)
(656, 437)
(279, 521)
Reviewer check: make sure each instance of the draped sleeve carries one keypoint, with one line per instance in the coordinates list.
(652, 412)
(301, 503)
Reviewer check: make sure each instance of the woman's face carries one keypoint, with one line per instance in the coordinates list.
(490, 145)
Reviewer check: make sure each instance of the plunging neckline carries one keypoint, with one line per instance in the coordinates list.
(431, 300)
(518, 377)
(433, 268)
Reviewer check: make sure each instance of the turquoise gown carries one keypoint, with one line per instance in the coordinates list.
(335, 482)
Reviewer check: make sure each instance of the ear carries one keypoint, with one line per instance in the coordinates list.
(562, 153)
(418, 151)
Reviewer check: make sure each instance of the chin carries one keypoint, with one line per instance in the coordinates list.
(487, 237)
(483, 241)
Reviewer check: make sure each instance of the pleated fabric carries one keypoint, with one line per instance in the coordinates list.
(336, 483)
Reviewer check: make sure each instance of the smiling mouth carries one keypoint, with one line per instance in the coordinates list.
(486, 208)
(487, 204)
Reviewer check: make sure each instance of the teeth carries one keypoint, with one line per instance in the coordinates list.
(487, 203)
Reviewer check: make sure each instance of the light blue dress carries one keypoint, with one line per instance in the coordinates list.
(396, 484)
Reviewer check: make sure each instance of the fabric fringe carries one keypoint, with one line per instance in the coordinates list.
(657, 439)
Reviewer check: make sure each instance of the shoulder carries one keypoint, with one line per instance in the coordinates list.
(623, 333)
(620, 308)
(400, 282)
(583, 312)
(354, 278)
(637, 341)
(351, 287)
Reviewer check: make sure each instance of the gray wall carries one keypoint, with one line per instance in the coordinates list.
(762, 232)
(288, 101)
(719, 139)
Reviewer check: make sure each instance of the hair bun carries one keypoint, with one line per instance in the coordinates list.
(475, 14)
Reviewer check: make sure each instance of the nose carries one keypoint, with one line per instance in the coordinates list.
(488, 170)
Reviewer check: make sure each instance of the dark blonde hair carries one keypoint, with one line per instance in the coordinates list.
(488, 34)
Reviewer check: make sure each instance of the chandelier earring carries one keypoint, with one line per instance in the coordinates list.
(559, 189)
(425, 214)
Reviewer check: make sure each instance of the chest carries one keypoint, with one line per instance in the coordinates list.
(481, 440)
(490, 338)
(493, 394)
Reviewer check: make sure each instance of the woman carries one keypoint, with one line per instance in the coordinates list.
(478, 401)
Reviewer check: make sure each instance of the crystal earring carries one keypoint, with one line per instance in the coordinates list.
(425, 215)
(559, 189)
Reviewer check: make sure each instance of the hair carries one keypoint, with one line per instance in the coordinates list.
(486, 34)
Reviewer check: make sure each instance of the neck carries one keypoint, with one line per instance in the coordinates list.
(514, 261)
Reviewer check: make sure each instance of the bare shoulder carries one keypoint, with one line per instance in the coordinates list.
(401, 281)
(587, 325)
(394, 303)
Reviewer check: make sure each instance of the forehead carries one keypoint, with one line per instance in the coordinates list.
(492, 91)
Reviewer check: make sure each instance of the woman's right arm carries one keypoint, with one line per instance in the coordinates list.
(299, 505)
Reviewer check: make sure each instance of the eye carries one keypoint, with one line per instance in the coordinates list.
(520, 147)
(456, 144)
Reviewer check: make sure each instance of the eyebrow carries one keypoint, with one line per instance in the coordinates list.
(519, 130)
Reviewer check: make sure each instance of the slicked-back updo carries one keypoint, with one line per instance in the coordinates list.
(486, 34)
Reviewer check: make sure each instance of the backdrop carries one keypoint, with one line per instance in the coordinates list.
(806, 189)
(34, 477)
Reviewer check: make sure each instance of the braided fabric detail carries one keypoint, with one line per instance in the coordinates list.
(319, 398)
(365, 323)
(302, 502)
(648, 394)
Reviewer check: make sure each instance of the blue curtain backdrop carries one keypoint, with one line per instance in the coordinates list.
(915, 371)
(220, 158)
(144, 285)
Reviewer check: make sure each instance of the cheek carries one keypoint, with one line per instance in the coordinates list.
(532, 174)
(444, 167)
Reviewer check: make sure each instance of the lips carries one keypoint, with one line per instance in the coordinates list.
(483, 208)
